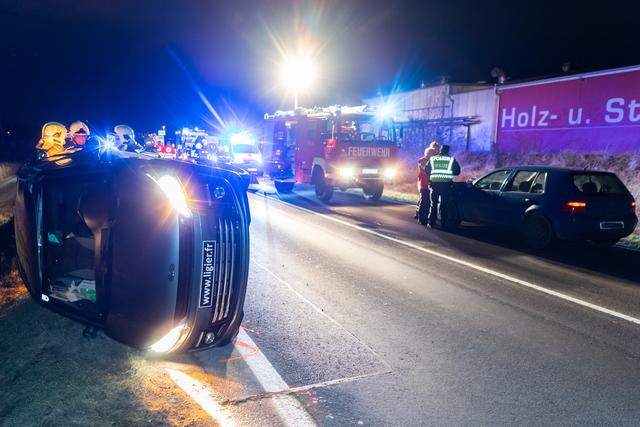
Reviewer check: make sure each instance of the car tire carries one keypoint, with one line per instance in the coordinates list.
(284, 187)
(373, 192)
(604, 243)
(537, 231)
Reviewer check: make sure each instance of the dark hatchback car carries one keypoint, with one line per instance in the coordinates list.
(544, 203)
(154, 252)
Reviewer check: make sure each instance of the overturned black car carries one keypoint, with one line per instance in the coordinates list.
(154, 252)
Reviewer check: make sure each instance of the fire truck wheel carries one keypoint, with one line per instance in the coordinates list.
(284, 187)
(324, 191)
(373, 191)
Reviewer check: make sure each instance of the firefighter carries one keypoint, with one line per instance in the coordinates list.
(441, 170)
(127, 138)
(150, 145)
(78, 134)
(52, 141)
(422, 209)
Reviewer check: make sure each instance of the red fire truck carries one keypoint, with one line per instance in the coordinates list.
(334, 147)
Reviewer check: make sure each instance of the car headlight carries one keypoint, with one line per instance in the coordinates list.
(172, 188)
(171, 339)
(390, 172)
(238, 160)
(346, 172)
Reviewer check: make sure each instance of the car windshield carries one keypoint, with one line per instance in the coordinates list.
(68, 248)
(598, 184)
(493, 181)
(246, 149)
(366, 129)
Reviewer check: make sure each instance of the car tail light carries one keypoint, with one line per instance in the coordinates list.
(574, 207)
(633, 205)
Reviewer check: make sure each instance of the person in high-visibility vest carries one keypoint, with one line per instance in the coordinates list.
(441, 169)
(422, 208)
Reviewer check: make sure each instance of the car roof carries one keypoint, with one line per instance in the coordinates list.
(555, 169)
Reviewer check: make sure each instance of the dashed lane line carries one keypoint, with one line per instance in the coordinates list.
(322, 313)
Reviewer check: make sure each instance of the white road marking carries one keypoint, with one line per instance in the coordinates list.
(202, 396)
(319, 310)
(471, 265)
(291, 411)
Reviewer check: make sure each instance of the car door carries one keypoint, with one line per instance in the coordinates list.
(523, 190)
(480, 201)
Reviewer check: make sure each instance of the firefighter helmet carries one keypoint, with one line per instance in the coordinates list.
(79, 132)
(125, 133)
(52, 141)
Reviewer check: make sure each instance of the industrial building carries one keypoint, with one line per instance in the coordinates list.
(596, 112)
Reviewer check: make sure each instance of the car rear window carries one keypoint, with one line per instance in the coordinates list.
(598, 184)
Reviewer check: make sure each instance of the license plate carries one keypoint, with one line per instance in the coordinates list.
(252, 170)
(611, 225)
(208, 273)
(369, 171)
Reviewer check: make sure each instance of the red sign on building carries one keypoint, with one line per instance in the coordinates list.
(589, 113)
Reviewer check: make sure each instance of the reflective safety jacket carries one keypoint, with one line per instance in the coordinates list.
(443, 168)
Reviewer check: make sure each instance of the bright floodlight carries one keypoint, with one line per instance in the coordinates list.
(298, 73)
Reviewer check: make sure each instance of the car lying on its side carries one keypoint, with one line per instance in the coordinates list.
(544, 203)
(154, 252)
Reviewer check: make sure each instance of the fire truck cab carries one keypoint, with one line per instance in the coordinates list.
(334, 147)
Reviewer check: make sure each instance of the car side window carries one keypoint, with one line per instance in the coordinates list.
(539, 183)
(522, 182)
(493, 181)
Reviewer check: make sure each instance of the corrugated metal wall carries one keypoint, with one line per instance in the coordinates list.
(481, 104)
(462, 116)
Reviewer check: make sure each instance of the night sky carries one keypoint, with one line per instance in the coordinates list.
(143, 62)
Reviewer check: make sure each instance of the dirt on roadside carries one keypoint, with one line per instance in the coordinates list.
(51, 375)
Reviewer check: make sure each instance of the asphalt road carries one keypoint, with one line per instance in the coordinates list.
(409, 326)
(357, 315)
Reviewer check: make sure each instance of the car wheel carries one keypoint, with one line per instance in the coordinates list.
(604, 243)
(284, 187)
(373, 192)
(537, 231)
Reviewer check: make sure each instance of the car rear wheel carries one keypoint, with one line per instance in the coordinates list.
(284, 187)
(373, 191)
(537, 231)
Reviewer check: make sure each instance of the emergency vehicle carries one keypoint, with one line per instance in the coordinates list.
(334, 147)
(197, 144)
(244, 152)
